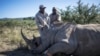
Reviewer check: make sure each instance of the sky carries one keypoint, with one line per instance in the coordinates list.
(27, 8)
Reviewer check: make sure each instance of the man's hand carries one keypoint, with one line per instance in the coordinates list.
(44, 27)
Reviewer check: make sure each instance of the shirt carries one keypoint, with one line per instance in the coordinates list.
(55, 18)
(42, 20)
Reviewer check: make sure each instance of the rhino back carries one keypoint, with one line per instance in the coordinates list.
(88, 37)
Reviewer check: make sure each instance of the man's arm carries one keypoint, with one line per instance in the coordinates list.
(39, 21)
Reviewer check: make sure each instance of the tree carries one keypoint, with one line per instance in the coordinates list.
(28, 18)
(81, 13)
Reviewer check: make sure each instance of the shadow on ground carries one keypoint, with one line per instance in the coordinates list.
(24, 52)
(17, 52)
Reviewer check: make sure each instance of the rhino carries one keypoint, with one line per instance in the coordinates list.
(68, 38)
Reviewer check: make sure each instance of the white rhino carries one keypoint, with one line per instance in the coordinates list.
(75, 39)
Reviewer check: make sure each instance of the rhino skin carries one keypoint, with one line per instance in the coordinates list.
(75, 39)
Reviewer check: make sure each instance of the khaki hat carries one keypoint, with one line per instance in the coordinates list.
(42, 7)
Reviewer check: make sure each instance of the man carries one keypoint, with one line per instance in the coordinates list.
(42, 19)
(55, 17)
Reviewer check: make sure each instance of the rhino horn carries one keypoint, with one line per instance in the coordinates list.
(25, 38)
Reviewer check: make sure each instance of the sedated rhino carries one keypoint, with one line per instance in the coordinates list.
(74, 39)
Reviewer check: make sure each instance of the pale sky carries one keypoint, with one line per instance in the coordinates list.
(26, 8)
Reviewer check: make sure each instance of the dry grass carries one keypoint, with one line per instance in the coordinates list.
(10, 38)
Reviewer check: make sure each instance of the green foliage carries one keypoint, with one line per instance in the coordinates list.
(82, 14)
(28, 18)
(14, 22)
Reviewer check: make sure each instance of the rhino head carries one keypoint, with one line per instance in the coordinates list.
(31, 43)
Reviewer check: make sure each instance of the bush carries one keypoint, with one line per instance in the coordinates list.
(82, 14)
(14, 23)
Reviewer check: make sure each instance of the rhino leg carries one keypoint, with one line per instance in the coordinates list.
(60, 47)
